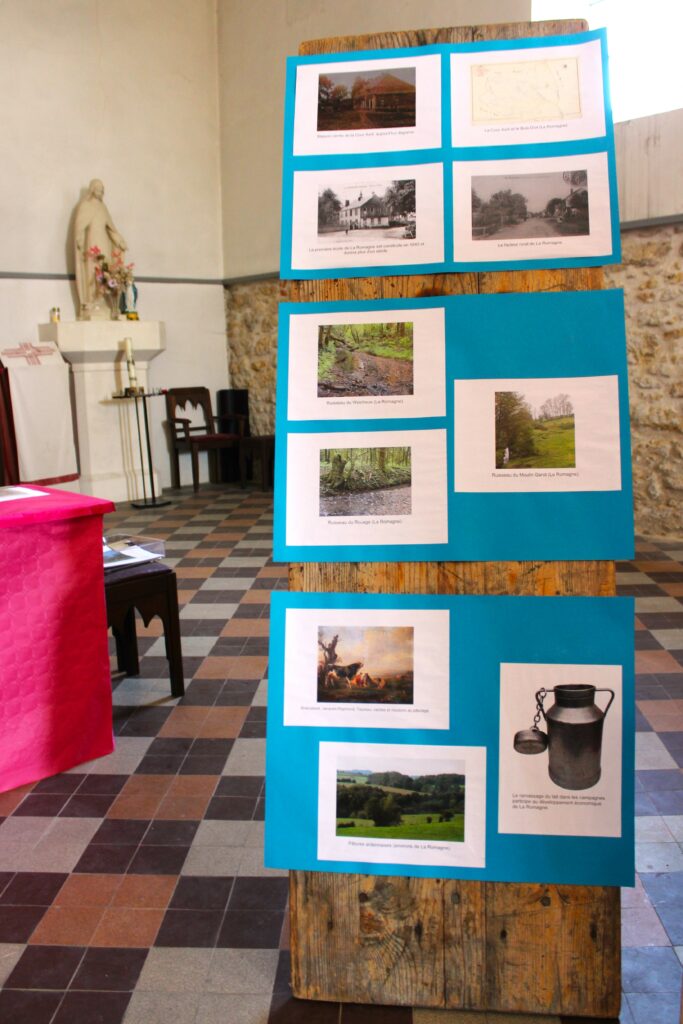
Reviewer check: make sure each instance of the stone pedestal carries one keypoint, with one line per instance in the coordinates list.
(108, 448)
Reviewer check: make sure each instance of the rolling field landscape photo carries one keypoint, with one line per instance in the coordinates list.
(396, 805)
(534, 437)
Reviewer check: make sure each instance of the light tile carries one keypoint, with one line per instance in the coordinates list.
(72, 830)
(212, 860)
(657, 604)
(193, 647)
(228, 583)
(222, 833)
(144, 692)
(652, 829)
(162, 1008)
(13, 855)
(630, 579)
(674, 823)
(248, 1009)
(679, 952)
(641, 926)
(651, 754)
(51, 856)
(129, 751)
(242, 971)
(175, 970)
(658, 857)
(261, 696)
(251, 865)
(208, 611)
(9, 955)
(243, 561)
(24, 830)
(670, 639)
(247, 757)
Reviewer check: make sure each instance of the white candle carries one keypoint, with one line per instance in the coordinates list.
(128, 342)
(130, 363)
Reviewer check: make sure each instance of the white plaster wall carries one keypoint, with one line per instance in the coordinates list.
(124, 91)
(127, 92)
(254, 40)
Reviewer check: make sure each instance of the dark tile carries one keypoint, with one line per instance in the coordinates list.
(201, 627)
(645, 641)
(194, 892)
(251, 929)
(44, 805)
(45, 967)
(201, 693)
(642, 724)
(260, 810)
(58, 784)
(672, 740)
(240, 785)
(145, 721)
(33, 888)
(29, 1007)
(152, 667)
(211, 748)
(253, 731)
(283, 972)
(675, 687)
(98, 784)
(87, 805)
(659, 779)
(120, 832)
(93, 1008)
(668, 801)
(5, 878)
(105, 859)
(651, 691)
(158, 860)
(213, 765)
(189, 928)
(162, 747)
(230, 808)
(643, 805)
(259, 894)
(649, 1008)
(17, 924)
(107, 970)
(171, 833)
(284, 1009)
(353, 1013)
(164, 765)
(247, 611)
(650, 969)
(257, 714)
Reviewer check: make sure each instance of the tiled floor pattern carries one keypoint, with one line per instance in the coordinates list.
(132, 888)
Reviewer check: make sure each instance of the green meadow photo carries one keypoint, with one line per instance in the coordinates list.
(534, 437)
(355, 360)
(397, 805)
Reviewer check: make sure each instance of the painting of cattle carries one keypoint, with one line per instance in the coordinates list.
(365, 665)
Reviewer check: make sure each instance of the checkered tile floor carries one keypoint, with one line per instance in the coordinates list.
(132, 888)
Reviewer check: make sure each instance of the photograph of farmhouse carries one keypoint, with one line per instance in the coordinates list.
(353, 101)
(546, 205)
(378, 209)
(396, 804)
(365, 664)
(534, 437)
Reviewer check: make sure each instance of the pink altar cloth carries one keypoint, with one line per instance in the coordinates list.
(55, 687)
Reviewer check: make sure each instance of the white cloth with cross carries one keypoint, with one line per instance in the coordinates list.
(41, 408)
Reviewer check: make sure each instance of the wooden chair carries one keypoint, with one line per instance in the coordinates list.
(198, 437)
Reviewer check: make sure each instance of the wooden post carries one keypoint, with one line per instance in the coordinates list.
(549, 949)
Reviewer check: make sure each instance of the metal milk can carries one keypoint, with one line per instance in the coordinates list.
(574, 737)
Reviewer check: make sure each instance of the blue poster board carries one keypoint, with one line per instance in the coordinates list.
(414, 762)
(459, 157)
(471, 491)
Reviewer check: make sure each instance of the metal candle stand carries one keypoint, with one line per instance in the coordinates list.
(139, 393)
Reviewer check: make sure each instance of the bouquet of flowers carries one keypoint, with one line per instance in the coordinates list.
(111, 277)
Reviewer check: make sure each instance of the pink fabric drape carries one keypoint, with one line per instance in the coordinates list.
(56, 708)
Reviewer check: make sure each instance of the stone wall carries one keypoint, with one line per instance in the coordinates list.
(651, 275)
(251, 315)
